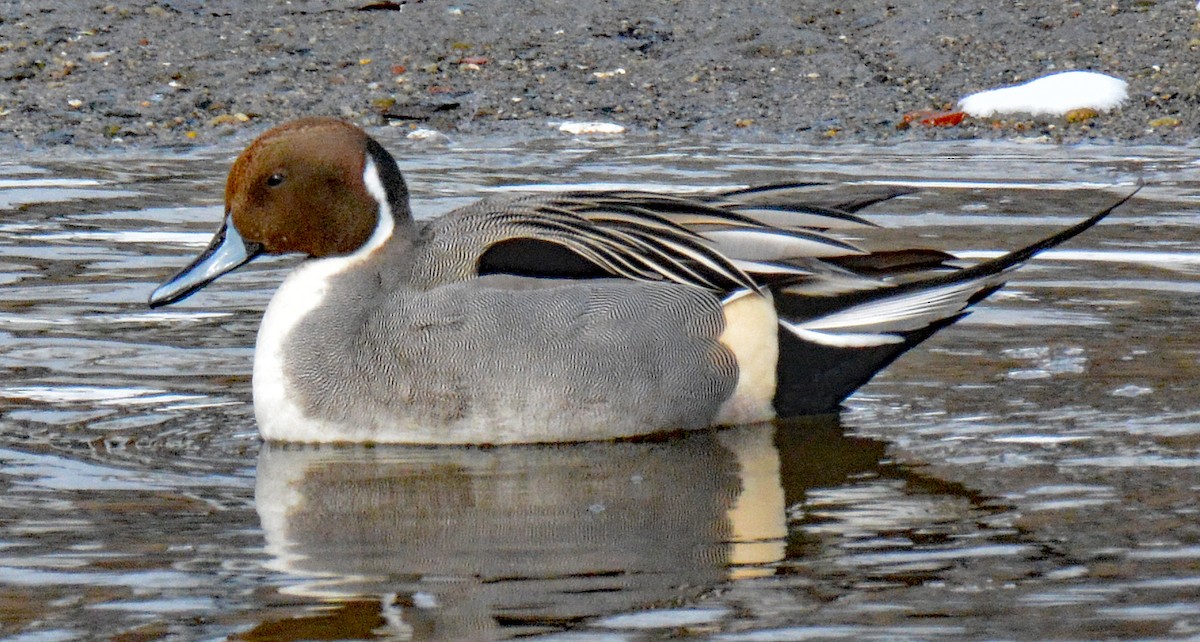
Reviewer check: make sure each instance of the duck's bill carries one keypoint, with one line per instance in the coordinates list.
(227, 252)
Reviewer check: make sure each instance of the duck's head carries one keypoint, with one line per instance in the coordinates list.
(318, 186)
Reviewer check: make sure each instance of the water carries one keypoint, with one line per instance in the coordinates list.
(1031, 473)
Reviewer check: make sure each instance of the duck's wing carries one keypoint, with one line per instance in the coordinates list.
(718, 242)
(827, 290)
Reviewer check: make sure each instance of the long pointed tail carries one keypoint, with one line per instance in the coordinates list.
(827, 352)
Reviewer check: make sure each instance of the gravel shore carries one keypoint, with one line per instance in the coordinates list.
(190, 72)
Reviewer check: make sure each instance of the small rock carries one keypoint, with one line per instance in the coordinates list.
(429, 136)
(1081, 115)
(605, 75)
(383, 104)
(1164, 122)
(56, 137)
(931, 118)
(225, 119)
(382, 6)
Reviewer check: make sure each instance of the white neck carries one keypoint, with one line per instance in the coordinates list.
(303, 291)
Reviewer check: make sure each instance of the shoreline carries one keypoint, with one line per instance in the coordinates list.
(188, 73)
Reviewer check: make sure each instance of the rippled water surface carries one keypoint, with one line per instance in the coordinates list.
(1030, 473)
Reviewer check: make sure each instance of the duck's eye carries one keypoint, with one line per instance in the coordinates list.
(275, 180)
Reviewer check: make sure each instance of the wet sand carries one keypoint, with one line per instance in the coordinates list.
(188, 72)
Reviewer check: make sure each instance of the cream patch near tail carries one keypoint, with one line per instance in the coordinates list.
(751, 334)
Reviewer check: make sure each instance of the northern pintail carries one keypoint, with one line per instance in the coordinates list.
(557, 317)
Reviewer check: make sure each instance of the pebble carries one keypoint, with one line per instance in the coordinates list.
(1081, 115)
(1165, 121)
(605, 75)
(428, 136)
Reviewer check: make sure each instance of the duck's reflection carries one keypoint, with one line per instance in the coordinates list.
(464, 542)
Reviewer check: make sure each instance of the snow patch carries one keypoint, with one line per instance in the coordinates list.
(591, 128)
(1055, 94)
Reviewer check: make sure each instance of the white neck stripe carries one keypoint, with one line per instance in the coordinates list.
(386, 223)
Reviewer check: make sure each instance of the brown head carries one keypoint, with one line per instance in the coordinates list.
(299, 188)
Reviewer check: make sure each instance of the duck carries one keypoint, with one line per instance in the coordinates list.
(568, 316)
